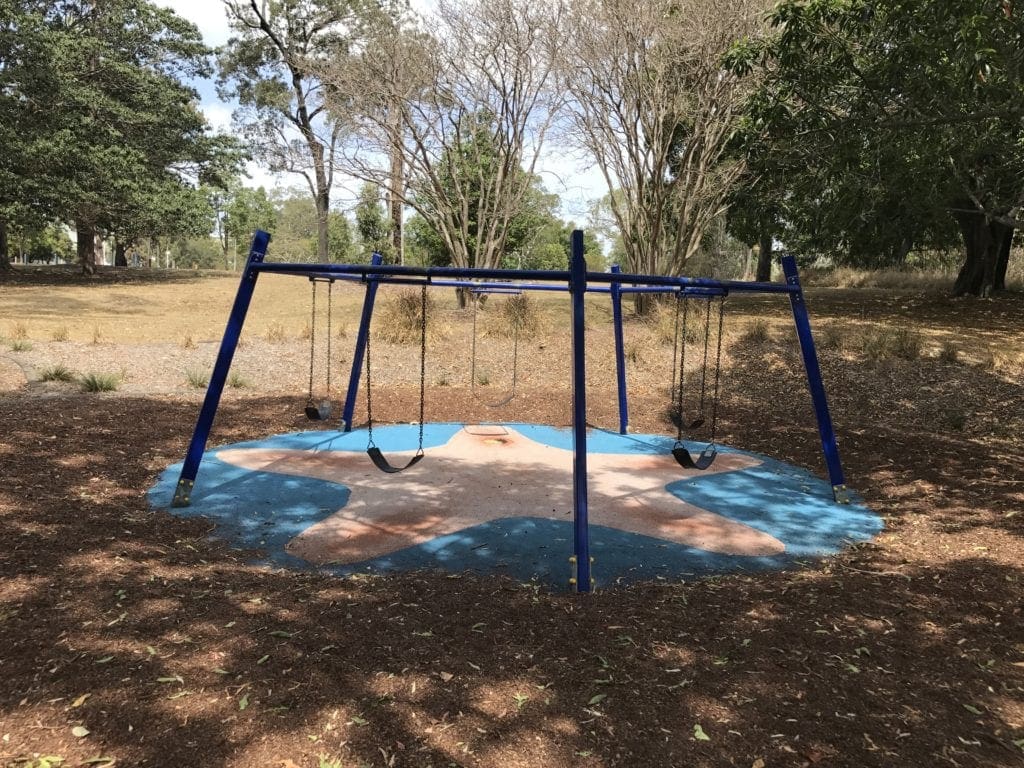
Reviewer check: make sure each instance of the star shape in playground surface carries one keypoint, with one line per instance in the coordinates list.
(487, 473)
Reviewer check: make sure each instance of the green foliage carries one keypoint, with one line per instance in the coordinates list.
(123, 146)
(373, 225)
(59, 372)
(876, 120)
(100, 382)
(240, 211)
(295, 232)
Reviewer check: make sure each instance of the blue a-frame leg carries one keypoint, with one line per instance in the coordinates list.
(228, 345)
(581, 527)
(348, 412)
(814, 382)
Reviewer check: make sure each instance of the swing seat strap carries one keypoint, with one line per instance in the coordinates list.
(703, 461)
(384, 465)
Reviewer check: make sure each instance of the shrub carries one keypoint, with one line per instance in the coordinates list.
(59, 372)
(197, 378)
(275, 333)
(188, 342)
(949, 353)
(61, 334)
(21, 345)
(237, 381)
(662, 322)
(885, 343)
(831, 337)
(19, 331)
(399, 321)
(100, 382)
(756, 332)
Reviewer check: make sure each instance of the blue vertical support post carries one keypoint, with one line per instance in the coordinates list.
(581, 529)
(258, 251)
(620, 351)
(814, 382)
(357, 356)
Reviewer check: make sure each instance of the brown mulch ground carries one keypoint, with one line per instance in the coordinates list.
(130, 635)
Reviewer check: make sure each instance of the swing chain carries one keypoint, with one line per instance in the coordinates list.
(423, 361)
(718, 367)
(682, 369)
(330, 304)
(704, 367)
(369, 398)
(312, 343)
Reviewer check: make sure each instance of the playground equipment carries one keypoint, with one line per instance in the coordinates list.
(319, 411)
(577, 281)
(508, 292)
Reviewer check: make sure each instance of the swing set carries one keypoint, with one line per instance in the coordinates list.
(708, 295)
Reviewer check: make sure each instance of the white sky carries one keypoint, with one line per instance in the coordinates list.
(577, 183)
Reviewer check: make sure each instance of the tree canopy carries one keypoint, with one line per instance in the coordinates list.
(883, 124)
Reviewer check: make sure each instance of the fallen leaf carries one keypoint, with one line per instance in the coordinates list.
(445, 676)
(80, 700)
(699, 735)
(79, 731)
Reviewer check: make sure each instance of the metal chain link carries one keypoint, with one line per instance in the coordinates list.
(423, 362)
(330, 304)
(369, 389)
(682, 372)
(312, 342)
(718, 368)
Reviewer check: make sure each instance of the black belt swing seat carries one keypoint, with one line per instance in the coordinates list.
(709, 453)
(375, 453)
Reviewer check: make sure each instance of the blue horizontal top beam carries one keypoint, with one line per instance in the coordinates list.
(432, 274)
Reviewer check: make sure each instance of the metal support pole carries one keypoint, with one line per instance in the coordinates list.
(815, 383)
(357, 357)
(581, 540)
(183, 491)
(620, 352)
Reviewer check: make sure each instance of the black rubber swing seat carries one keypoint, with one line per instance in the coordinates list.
(318, 411)
(703, 461)
(384, 465)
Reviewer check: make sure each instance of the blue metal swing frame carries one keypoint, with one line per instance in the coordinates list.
(577, 281)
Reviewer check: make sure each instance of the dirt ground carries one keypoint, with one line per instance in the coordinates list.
(131, 638)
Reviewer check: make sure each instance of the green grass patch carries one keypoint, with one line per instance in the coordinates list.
(100, 382)
(21, 345)
(59, 372)
(197, 378)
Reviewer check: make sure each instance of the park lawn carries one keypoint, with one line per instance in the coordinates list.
(169, 649)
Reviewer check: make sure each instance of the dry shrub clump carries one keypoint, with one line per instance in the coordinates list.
(399, 320)
(664, 323)
(885, 343)
(510, 314)
(756, 332)
(275, 333)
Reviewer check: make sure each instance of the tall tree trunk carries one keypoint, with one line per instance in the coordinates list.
(395, 203)
(323, 208)
(764, 259)
(1003, 257)
(644, 303)
(983, 245)
(87, 241)
(5, 259)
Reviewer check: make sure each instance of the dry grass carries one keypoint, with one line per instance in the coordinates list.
(59, 372)
(399, 319)
(506, 315)
(21, 345)
(275, 333)
(19, 331)
(949, 352)
(187, 342)
(756, 332)
(61, 334)
(886, 343)
(100, 382)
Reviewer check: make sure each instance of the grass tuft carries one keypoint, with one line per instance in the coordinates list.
(237, 380)
(512, 313)
(100, 382)
(187, 342)
(399, 321)
(275, 333)
(949, 353)
(97, 335)
(831, 337)
(59, 372)
(21, 345)
(756, 332)
(884, 343)
(61, 334)
(19, 331)
(197, 378)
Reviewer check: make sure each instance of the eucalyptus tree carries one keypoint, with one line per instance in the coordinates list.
(272, 64)
(465, 100)
(652, 104)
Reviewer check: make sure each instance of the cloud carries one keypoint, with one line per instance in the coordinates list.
(208, 15)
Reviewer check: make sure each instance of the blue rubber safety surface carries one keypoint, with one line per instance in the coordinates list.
(264, 511)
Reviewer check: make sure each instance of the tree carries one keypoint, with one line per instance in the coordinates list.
(473, 92)
(295, 232)
(270, 67)
(105, 133)
(653, 106)
(373, 225)
(240, 212)
(881, 124)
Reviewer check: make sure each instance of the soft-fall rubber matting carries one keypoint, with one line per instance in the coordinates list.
(497, 498)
